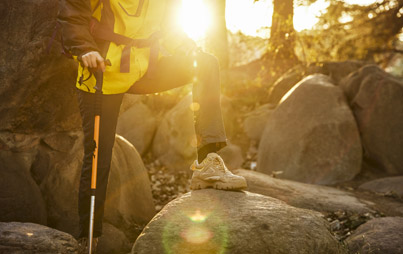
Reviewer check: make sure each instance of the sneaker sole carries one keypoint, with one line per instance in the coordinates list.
(197, 184)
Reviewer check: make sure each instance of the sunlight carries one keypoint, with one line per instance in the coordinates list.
(195, 18)
(306, 17)
(249, 17)
(253, 18)
(197, 234)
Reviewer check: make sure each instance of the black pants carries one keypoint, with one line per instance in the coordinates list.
(171, 72)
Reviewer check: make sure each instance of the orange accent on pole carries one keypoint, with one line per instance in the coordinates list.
(95, 158)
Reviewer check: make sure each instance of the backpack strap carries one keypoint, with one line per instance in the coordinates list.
(100, 32)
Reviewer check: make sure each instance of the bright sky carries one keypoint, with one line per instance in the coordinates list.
(251, 18)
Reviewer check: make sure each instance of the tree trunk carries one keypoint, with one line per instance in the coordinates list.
(216, 39)
(282, 35)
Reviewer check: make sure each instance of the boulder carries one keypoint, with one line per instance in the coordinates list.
(378, 236)
(387, 185)
(37, 83)
(213, 221)
(129, 204)
(20, 197)
(112, 241)
(302, 195)
(376, 100)
(137, 125)
(18, 238)
(311, 136)
(255, 121)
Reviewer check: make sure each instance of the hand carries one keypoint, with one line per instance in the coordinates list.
(93, 60)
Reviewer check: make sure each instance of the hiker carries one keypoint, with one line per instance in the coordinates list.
(140, 49)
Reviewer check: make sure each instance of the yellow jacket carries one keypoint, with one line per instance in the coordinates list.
(135, 19)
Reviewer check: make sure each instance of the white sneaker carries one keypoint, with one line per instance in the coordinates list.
(212, 172)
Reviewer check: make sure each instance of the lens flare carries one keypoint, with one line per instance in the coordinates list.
(194, 106)
(197, 234)
(198, 217)
(196, 229)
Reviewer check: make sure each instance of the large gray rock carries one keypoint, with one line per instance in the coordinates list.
(20, 197)
(213, 221)
(378, 236)
(37, 91)
(24, 238)
(376, 100)
(137, 124)
(312, 136)
(308, 196)
(387, 185)
(129, 204)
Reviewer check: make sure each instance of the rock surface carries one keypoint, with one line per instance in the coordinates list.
(308, 196)
(389, 185)
(376, 100)
(18, 191)
(112, 241)
(312, 136)
(378, 236)
(255, 122)
(37, 91)
(19, 238)
(212, 221)
(137, 124)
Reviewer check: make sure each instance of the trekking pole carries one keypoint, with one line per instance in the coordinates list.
(98, 74)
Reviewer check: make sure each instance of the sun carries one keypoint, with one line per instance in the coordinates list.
(195, 18)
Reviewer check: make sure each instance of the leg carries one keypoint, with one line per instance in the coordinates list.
(178, 70)
(109, 115)
(206, 92)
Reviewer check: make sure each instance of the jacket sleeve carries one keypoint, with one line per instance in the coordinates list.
(74, 18)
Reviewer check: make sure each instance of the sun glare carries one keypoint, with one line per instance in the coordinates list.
(249, 17)
(306, 17)
(195, 18)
